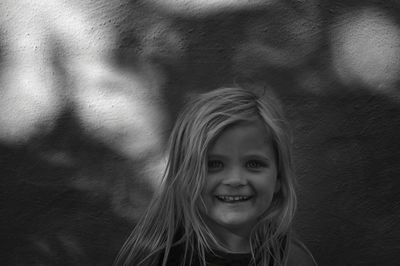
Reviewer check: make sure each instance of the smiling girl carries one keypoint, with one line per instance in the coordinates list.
(228, 193)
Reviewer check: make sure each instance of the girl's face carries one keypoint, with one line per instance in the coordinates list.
(241, 179)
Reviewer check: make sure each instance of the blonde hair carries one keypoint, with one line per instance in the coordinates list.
(174, 216)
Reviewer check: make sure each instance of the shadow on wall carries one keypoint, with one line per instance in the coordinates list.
(89, 92)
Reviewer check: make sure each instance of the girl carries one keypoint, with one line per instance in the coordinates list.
(228, 193)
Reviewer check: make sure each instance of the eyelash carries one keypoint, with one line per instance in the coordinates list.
(259, 164)
(250, 164)
(211, 166)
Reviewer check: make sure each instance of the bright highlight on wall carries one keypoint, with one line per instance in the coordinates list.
(366, 49)
(202, 7)
(59, 55)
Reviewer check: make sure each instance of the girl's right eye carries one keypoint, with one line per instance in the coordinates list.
(214, 165)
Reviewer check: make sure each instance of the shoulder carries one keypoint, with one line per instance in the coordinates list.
(299, 254)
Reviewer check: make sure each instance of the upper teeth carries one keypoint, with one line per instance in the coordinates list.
(233, 198)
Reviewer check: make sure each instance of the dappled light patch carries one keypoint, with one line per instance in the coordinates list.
(29, 104)
(120, 110)
(365, 47)
(207, 7)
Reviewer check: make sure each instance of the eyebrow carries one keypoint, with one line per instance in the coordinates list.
(216, 156)
(248, 156)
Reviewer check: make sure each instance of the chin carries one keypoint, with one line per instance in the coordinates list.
(235, 223)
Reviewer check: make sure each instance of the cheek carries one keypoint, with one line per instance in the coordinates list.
(267, 188)
(272, 193)
(210, 183)
(207, 191)
(277, 186)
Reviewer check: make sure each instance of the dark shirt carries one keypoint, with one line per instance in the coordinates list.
(217, 258)
(298, 255)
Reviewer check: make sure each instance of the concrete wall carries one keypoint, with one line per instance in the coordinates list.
(89, 91)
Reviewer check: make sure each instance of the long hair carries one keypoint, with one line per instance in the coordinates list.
(174, 217)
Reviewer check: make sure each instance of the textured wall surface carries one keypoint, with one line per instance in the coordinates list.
(89, 91)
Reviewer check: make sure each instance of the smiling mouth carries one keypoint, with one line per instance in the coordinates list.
(232, 199)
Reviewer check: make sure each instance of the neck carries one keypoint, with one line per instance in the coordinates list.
(236, 243)
(235, 240)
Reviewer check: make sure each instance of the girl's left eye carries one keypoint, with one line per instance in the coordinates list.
(255, 164)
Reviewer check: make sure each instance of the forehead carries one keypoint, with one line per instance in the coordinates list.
(243, 136)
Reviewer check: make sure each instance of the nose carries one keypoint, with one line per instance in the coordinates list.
(235, 177)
